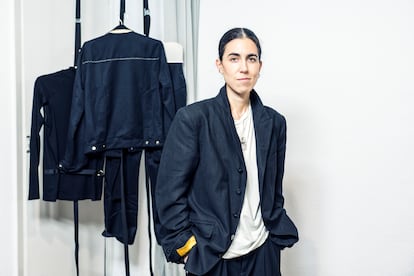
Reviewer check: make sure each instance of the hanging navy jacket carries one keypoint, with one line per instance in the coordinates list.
(53, 95)
(122, 98)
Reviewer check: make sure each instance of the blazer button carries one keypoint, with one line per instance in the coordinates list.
(93, 148)
(240, 170)
(232, 237)
(235, 215)
(238, 191)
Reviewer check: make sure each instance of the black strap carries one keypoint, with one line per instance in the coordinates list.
(147, 185)
(147, 18)
(77, 31)
(75, 203)
(76, 220)
(124, 217)
(122, 11)
(81, 172)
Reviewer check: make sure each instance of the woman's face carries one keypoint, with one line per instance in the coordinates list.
(240, 66)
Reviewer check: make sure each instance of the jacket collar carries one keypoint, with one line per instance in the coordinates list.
(263, 126)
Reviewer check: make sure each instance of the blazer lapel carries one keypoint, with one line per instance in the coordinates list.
(263, 125)
(231, 129)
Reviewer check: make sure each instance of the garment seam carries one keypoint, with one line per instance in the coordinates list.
(119, 59)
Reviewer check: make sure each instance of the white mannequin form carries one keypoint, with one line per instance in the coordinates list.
(174, 52)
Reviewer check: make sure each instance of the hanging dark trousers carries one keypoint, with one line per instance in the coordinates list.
(121, 194)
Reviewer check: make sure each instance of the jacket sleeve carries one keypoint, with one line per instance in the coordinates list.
(283, 232)
(167, 93)
(179, 85)
(36, 125)
(74, 158)
(178, 162)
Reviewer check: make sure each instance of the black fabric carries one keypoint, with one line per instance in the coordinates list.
(77, 31)
(124, 216)
(121, 195)
(147, 18)
(123, 97)
(264, 261)
(122, 11)
(51, 110)
(76, 231)
(179, 84)
(202, 180)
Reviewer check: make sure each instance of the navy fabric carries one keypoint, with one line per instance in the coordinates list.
(112, 191)
(263, 261)
(51, 109)
(179, 84)
(123, 97)
(112, 194)
(120, 101)
(202, 180)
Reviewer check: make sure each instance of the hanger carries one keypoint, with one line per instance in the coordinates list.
(120, 29)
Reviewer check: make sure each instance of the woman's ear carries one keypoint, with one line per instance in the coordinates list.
(219, 66)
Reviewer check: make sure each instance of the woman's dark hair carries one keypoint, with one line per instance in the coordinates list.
(238, 33)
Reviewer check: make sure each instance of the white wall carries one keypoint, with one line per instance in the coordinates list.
(8, 140)
(342, 74)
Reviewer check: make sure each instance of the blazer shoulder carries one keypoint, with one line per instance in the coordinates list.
(198, 108)
(198, 112)
(276, 115)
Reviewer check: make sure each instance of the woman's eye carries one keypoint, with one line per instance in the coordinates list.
(253, 59)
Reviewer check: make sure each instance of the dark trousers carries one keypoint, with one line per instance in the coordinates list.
(121, 188)
(264, 261)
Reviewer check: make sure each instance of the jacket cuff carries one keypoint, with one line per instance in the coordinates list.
(171, 252)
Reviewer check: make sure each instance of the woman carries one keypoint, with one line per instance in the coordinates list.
(219, 190)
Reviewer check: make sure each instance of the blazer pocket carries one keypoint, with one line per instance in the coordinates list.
(203, 228)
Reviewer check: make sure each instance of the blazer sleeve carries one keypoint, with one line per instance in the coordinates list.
(36, 125)
(178, 162)
(284, 231)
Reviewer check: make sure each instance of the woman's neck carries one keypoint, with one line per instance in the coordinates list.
(238, 104)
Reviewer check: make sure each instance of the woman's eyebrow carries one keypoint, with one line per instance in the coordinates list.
(238, 55)
(234, 54)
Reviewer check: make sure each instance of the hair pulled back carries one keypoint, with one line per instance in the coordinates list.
(238, 33)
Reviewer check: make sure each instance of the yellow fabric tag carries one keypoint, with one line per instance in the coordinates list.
(182, 251)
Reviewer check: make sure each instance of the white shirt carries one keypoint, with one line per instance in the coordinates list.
(251, 231)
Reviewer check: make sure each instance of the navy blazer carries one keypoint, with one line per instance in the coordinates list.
(202, 180)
